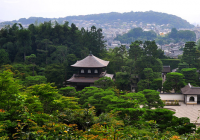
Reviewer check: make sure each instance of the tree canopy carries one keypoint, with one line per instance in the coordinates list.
(174, 81)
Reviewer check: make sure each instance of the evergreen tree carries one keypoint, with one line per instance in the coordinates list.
(189, 54)
(191, 75)
(135, 50)
(174, 81)
(174, 33)
(153, 98)
(24, 41)
(150, 48)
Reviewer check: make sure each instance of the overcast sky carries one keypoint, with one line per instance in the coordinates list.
(15, 9)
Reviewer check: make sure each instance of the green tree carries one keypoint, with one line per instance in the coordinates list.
(33, 80)
(174, 33)
(86, 93)
(140, 97)
(198, 44)
(156, 84)
(31, 59)
(83, 118)
(117, 58)
(187, 35)
(130, 116)
(71, 59)
(136, 34)
(60, 55)
(55, 73)
(104, 82)
(47, 45)
(21, 68)
(161, 54)
(182, 65)
(135, 50)
(148, 62)
(153, 98)
(184, 125)
(148, 72)
(142, 85)
(101, 42)
(174, 81)
(150, 48)
(163, 117)
(98, 102)
(189, 54)
(113, 102)
(67, 91)
(9, 90)
(122, 80)
(10, 49)
(47, 94)
(191, 75)
(50, 98)
(4, 57)
(24, 41)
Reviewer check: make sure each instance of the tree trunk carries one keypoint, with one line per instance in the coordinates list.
(46, 59)
(46, 53)
(33, 71)
(24, 56)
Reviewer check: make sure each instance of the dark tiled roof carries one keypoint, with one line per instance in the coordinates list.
(188, 89)
(78, 79)
(74, 79)
(166, 69)
(91, 61)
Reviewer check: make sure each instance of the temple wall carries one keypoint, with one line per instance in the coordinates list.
(172, 96)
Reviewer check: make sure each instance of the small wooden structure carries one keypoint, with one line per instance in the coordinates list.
(90, 69)
(191, 94)
(166, 69)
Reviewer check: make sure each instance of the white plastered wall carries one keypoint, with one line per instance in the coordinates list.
(179, 97)
(188, 99)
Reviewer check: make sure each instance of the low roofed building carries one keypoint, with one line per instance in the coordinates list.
(191, 94)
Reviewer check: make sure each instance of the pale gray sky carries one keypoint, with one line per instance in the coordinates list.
(15, 9)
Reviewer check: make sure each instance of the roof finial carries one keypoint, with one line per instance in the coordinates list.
(90, 53)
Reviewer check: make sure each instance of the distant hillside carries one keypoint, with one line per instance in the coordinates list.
(136, 34)
(173, 37)
(144, 17)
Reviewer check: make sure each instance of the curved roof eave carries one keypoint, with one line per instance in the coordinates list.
(91, 61)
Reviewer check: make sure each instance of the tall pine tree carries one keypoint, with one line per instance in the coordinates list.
(189, 54)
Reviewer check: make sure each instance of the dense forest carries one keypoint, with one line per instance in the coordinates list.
(173, 37)
(47, 48)
(35, 102)
(150, 17)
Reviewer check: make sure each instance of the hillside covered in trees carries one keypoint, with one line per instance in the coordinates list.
(136, 34)
(48, 49)
(174, 36)
(150, 17)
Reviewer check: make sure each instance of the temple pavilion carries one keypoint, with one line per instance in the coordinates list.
(90, 69)
(191, 94)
